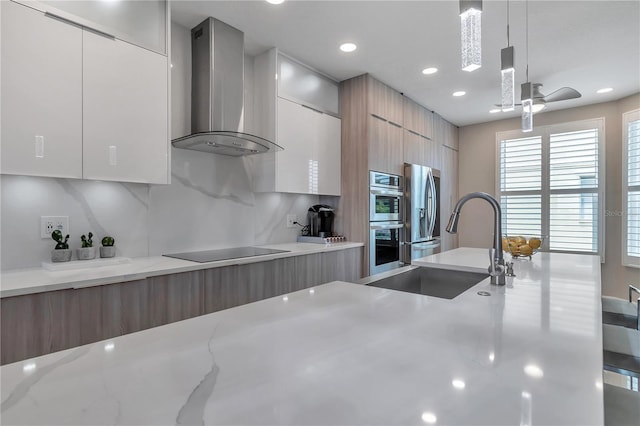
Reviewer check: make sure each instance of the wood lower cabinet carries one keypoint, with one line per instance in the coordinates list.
(38, 324)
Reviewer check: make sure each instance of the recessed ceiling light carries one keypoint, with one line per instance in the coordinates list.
(533, 371)
(493, 111)
(430, 70)
(458, 384)
(429, 418)
(605, 90)
(275, 1)
(348, 47)
(459, 93)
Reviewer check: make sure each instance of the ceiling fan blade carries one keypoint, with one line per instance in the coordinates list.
(562, 94)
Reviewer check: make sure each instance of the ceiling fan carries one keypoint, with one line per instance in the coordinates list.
(540, 100)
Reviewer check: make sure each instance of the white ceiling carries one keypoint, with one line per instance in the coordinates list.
(586, 45)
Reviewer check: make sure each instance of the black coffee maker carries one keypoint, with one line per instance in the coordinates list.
(320, 220)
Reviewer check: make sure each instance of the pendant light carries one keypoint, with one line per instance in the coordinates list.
(507, 71)
(470, 14)
(526, 94)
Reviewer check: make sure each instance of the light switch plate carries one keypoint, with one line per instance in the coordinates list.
(48, 224)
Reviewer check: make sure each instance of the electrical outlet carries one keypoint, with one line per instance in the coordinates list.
(48, 224)
(290, 219)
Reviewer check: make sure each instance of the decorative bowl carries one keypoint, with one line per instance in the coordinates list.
(520, 246)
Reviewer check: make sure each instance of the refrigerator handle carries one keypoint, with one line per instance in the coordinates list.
(434, 203)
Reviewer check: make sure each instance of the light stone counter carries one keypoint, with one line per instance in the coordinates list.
(37, 280)
(345, 354)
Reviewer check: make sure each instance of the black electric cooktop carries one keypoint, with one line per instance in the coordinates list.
(224, 254)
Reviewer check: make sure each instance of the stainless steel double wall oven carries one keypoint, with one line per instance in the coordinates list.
(385, 221)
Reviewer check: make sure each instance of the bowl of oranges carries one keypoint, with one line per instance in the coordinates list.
(520, 246)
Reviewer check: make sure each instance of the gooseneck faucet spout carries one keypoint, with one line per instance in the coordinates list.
(496, 267)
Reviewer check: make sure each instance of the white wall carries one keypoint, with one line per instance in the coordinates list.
(477, 165)
(209, 203)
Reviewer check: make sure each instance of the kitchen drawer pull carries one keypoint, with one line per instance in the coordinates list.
(69, 21)
(395, 124)
(378, 117)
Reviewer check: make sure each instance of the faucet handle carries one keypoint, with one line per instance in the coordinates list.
(510, 272)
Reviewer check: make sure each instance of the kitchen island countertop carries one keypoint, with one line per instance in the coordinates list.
(36, 280)
(348, 354)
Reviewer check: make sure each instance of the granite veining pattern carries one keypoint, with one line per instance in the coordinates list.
(347, 354)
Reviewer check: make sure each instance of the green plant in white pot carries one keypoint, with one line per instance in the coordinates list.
(87, 251)
(108, 248)
(62, 252)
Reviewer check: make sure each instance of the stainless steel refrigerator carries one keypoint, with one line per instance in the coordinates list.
(421, 212)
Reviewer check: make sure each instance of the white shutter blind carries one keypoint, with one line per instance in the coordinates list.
(633, 189)
(573, 184)
(520, 185)
(551, 185)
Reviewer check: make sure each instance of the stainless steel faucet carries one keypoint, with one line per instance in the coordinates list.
(496, 259)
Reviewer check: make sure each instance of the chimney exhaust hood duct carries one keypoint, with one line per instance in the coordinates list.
(217, 94)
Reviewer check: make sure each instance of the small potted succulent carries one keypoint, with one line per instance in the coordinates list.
(87, 251)
(108, 249)
(62, 252)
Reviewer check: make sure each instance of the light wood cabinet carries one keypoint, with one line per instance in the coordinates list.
(413, 148)
(385, 146)
(125, 112)
(417, 119)
(37, 324)
(446, 139)
(79, 104)
(384, 102)
(448, 195)
(41, 94)
(381, 131)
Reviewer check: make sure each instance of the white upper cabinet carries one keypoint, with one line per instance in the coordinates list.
(41, 94)
(308, 164)
(328, 148)
(294, 165)
(143, 23)
(125, 111)
(296, 110)
(80, 103)
(302, 85)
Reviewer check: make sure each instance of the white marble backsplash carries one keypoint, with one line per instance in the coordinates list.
(209, 204)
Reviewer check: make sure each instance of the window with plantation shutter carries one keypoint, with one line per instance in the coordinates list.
(550, 184)
(631, 189)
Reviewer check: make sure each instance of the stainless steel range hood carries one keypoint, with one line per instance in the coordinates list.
(217, 94)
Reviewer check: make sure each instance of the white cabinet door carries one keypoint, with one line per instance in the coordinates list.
(125, 110)
(41, 90)
(295, 167)
(310, 161)
(328, 153)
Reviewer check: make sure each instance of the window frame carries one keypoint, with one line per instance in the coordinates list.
(627, 118)
(545, 132)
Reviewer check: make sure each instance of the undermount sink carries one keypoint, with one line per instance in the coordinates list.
(442, 283)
